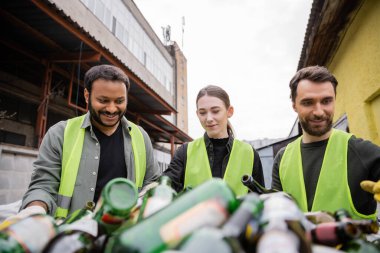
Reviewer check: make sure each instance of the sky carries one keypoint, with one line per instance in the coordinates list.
(250, 48)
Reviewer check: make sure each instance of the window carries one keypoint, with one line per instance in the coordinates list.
(12, 138)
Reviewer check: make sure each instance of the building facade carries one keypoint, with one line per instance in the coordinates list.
(48, 45)
(344, 36)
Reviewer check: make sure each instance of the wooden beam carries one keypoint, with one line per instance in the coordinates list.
(142, 108)
(30, 30)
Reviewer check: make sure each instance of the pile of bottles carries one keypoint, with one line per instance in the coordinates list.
(207, 218)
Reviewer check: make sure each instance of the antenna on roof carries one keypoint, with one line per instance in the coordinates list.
(166, 32)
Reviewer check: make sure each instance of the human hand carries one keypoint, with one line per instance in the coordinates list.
(146, 188)
(28, 211)
(371, 187)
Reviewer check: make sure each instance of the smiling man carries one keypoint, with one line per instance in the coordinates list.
(323, 168)
(93, 148)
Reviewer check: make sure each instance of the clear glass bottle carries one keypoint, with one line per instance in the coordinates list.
(282, 226)
(157, 198)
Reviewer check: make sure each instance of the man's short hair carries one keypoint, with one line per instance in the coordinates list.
(106, 72)
(318, 74)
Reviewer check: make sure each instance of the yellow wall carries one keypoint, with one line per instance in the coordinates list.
(356, 65)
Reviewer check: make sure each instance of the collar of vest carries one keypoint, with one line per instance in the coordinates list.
(208, 142)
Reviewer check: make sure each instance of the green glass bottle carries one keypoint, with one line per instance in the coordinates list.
(226, 239)
(86, 211)
(167, 227)
(360, 245)
(251, 208)
(209, 240)
(116, 201)
(30, 234)
(157, 198)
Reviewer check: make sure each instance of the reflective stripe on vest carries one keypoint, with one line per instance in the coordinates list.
(332, 191)
(139, 153)
(72, 152)
(198, 168)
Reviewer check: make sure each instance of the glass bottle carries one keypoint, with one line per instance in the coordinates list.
(365, 226)
(318, 217)
(80, 230)
(226, 239)
(177, 220)
(157, 198)
(86, 211)
(254, 186)
(360, 245)
(282, 225)
(333, 233)
(116, 201)
(71, 241)
(30, 234)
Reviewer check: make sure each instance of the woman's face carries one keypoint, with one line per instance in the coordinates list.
(213, 115)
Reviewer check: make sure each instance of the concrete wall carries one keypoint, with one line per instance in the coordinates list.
(15, 171)
(181, 81)
(16, 166)
(356, 66)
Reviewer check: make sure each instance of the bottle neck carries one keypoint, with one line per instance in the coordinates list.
(165, 180)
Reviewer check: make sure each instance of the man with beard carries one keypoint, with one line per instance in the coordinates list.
(323, 168)
(95, 148)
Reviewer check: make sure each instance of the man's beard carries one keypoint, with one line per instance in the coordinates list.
(313, 131)
(96, 115)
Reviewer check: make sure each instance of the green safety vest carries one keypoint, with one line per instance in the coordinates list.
(198, 166)
(332, 191)
(72, 152)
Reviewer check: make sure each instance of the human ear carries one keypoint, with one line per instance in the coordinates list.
(294, 106)
(230, 111)
(86, 95)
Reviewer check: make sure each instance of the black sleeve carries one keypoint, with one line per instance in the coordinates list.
(276, 182)
(176, 168)
(369, 155)
(257, 172)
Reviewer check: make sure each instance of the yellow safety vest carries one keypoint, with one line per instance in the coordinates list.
(198, 168)
(332, 191)
(72, 152)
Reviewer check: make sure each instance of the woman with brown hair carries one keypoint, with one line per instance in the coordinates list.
(217, 153)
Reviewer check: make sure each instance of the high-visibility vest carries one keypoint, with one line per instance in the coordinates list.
(198, 166)
(72, 152)
(332, 191)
